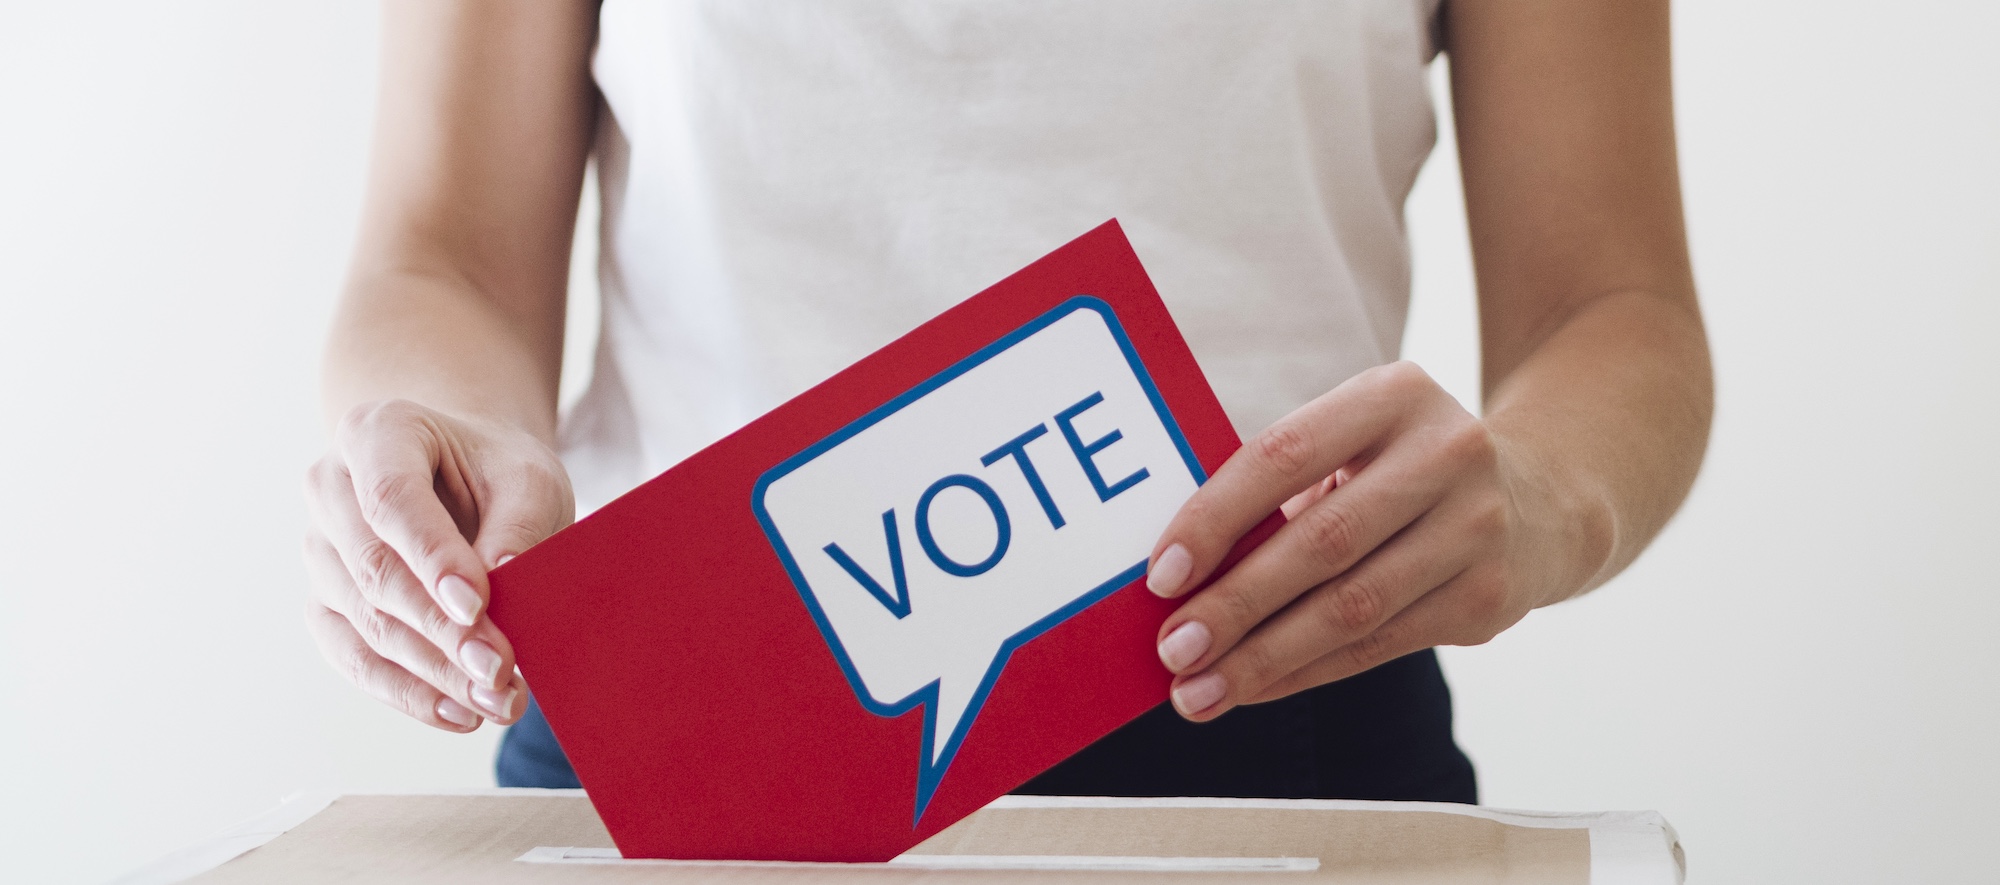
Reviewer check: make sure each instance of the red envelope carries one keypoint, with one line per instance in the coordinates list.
(734, 655)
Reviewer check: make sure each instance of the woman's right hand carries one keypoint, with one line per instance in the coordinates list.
(410, 509)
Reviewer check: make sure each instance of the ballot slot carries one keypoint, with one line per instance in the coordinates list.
(958, 521)
(952, 862)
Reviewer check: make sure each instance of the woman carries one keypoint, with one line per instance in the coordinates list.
(787, 186)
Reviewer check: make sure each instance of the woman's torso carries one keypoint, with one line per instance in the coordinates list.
(788, 186)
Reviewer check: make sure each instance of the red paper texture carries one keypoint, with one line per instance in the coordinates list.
(700, 702)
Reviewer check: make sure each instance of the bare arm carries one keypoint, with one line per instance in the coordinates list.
(1413, 523)
(442, 368)
(1594, 356)
(455, 298)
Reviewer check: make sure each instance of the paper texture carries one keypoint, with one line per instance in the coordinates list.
(885, 588)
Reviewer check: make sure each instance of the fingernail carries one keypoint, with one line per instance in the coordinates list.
(1199, 693)
(459, 600)
(1170, 571)
(495, 703)
(502, 560)
(455, 713)
(1184, 646)
(480, 662)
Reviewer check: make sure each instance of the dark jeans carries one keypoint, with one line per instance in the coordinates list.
(1385, 734)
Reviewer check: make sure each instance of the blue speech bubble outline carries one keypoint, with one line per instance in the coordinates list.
(930, 774)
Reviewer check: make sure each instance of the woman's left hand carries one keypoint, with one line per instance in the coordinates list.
(1412, 524)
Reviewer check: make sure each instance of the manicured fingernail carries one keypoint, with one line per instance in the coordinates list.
(480, 662)
(495, 703)
(1184, 646)
(1170, 571)
(502, 560)
(1199, 693)
(455, 713)
(459, 600)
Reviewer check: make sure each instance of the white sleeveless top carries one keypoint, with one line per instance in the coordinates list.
(788, 185)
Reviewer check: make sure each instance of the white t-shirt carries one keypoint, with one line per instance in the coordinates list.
(790, 184)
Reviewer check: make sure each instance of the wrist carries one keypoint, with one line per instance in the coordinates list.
(1566, 529)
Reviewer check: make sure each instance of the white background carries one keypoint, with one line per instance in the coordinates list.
(1802, 675)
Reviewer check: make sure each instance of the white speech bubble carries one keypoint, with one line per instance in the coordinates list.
(951, 525)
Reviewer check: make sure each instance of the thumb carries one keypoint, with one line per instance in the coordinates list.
(532, 504)
(392, 451)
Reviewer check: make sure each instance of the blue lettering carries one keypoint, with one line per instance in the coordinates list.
(1017, 448)
(1004, 532)
(1065, 421)
(899, 604)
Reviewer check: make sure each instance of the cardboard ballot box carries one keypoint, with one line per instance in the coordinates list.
(553, 836)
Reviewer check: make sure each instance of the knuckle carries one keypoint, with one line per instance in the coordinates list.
(1251, 667)
(351, 420)
(544, 487)
(326, 479)
(1354, 606)
(382, 419)
(1198, 515)
(387, 494)
(375, 566)
(1477, 631)
(412, 696)
(1331, 532)
(428, 547)
(1489, 518)
(539, 474)
(1486, 601)
(434, 625)
(1471, 444)
(336, 638)
(350, 661)
(360, 419)
(376, 629)
(1235, 611)
(440, 674)
(521, 531)
(1285, 449)
(383, 413)
(1405, 375)
(314, 481)
(552, 483)
(1477, 637)
(1369, 651)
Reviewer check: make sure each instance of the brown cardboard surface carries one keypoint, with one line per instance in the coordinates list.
(1352, 846)
(446, 840)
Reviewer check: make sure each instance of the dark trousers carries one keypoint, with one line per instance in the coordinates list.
(1385, 734)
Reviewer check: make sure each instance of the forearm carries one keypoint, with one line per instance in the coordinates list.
(455, 298)
(432, 338)
(1606, 421)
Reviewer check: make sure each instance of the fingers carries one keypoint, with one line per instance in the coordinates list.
(370, 568)
(1393, 492)
(396, 458)
(1347, 610)
(529, 501)
(387, 682)
(1303, 448)
(1436, 619)
(1323, 541)
(393, 505)
(394, 641)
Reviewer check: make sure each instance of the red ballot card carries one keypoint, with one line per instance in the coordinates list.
(892, 599)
